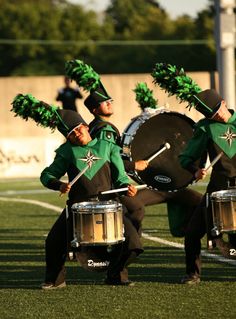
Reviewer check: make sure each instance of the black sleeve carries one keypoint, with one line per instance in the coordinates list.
(129, 166)
(54, 184)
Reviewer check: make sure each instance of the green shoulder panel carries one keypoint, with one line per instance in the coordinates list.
(107, 133)
(65, 150)
(201, 124)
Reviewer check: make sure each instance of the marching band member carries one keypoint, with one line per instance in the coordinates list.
(104, 171)
(216, 134)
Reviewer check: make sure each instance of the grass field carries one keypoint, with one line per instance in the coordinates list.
(156, 294)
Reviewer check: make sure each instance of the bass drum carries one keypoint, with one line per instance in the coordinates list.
(148, 133)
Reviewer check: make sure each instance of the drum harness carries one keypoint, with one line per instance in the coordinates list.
(96, 128)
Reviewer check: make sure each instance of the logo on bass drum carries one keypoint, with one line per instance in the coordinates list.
(162, 179)
(92, 263)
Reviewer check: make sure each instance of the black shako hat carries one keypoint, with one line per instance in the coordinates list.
(208, 102)
(69, 120)
(96, 97)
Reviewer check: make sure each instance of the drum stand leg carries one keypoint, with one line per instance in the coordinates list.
(74, 243)
(210, 242)
(70, 253)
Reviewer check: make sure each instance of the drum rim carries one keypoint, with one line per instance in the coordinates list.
(224, 194)
(96, 205)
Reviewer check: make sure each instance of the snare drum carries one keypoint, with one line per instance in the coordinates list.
(224, 210)
(97, 223)
(146, 134)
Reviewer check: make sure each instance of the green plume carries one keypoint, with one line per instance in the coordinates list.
(83, 74)
(175, 82)
(27, 106)
(144, 96)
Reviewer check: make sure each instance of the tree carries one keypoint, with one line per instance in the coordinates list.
(37, 35)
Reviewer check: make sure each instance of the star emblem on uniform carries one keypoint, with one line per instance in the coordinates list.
(229, 136)
(89, 159)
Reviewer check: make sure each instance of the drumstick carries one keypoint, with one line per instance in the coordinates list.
(216, 159)
(165, 147)
(123, 189)
(77, 177)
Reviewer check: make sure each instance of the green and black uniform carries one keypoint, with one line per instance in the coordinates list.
(105, 171)
(213, 137)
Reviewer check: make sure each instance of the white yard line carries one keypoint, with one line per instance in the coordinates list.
(32, 201)
(146, 236)
(31, 191)
(181, 246)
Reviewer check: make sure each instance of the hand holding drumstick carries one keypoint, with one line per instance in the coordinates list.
(143, 164)
(64, 188)
(202, 172)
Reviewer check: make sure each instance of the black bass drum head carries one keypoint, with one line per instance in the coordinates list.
(164, 173)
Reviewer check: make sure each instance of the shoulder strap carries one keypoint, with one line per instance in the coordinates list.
(101, 124)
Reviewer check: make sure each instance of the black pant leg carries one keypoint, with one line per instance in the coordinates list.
(121, 257)
(132, 237)
(135, 210)
(56, 248)
(195, 230)
(151, 197)
(186, 196)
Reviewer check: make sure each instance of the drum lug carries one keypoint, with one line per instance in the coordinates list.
(109, 249)
(74, 243)
(215, 231)
(71, 255)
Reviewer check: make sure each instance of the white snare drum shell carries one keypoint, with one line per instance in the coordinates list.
(98, 223)
(224, 210)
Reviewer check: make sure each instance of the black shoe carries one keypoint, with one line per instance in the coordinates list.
(50, 285)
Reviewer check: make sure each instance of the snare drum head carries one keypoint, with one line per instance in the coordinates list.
(96, 258)
(164, 172)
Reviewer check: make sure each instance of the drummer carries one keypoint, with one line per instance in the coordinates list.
(99, 103)
(105, 169)
(215, 133)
